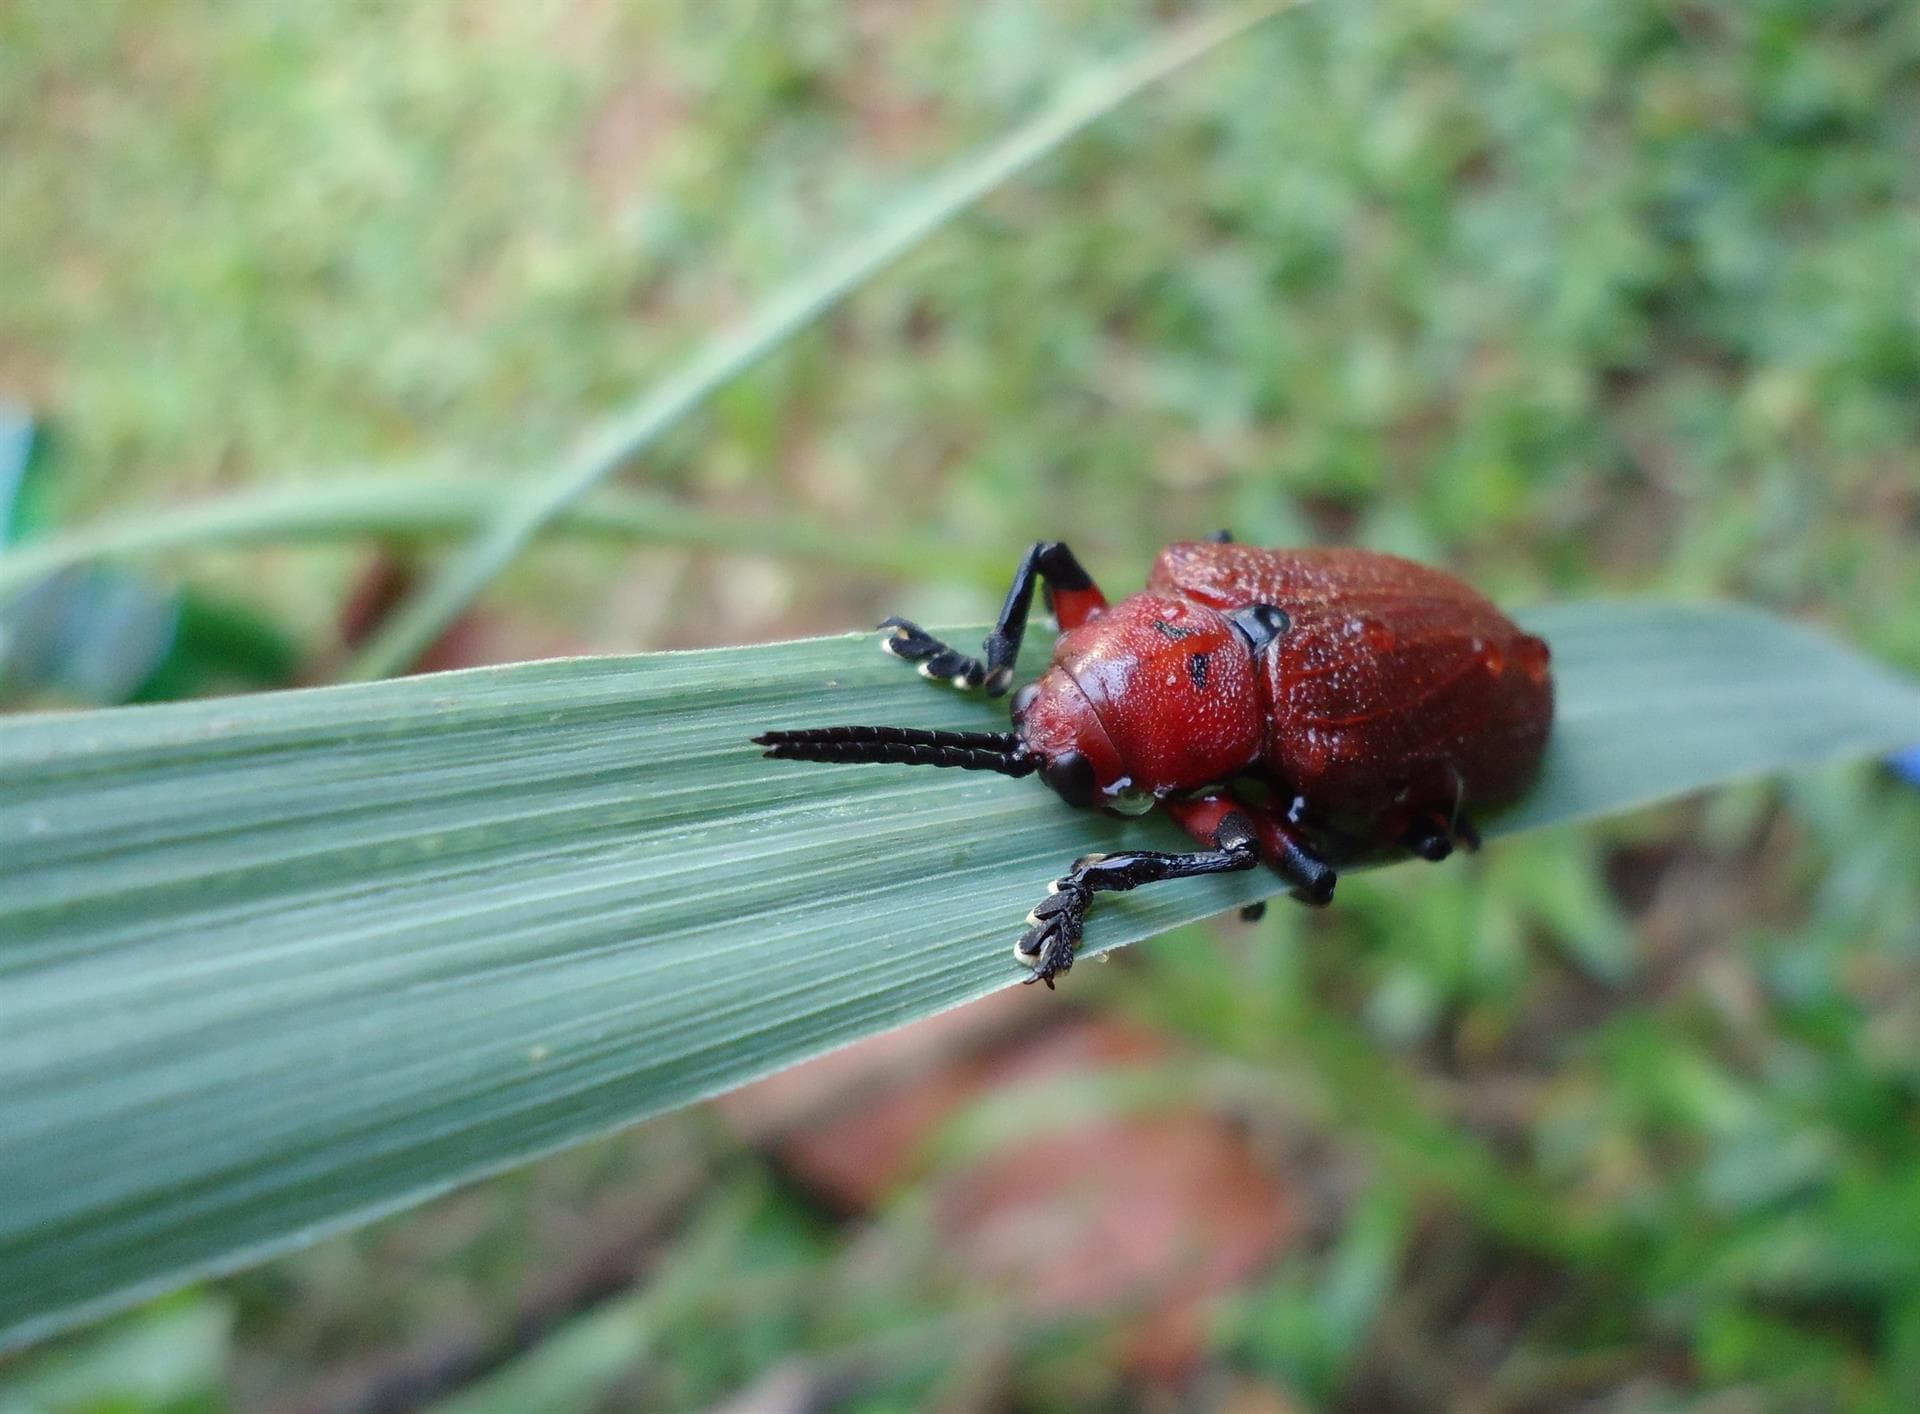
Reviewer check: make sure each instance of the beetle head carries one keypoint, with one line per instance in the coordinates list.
(1060, 730)
(1158, 694)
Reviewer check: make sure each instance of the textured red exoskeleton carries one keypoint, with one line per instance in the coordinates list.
(1304, 709)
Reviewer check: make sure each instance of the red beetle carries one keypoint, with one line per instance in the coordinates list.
(1298, 708)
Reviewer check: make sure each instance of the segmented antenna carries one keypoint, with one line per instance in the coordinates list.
(970, 751)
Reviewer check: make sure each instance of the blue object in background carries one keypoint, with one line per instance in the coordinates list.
(89, 634)
(99, 635)
(83, 633)
(1906, 765)
(16, 455)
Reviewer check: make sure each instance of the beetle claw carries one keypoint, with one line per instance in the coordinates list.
(1057, 921)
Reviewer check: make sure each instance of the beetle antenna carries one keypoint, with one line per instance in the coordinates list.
(970, 751)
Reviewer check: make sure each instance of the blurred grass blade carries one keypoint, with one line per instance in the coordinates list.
(271, 966)
(1080, 102)
(434, 507)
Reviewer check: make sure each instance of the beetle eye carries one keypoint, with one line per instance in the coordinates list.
(1071, 776)
(1259, 625)
(1024, 699)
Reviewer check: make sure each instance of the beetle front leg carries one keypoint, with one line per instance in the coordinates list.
(1071, 593)
(1057, 922)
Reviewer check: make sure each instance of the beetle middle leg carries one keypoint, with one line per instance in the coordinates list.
(1071, 594)
(1056, 923)
(1437, 828)
(1435, 839)
(1280, 844)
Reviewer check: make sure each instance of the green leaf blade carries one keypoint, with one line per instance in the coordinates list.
(1658, 700)
(273, 966)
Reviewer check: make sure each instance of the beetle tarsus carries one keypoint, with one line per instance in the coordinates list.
(1071, 593)
(1057, 921)
(1253, 912)
(1053, 934)
(906, 639)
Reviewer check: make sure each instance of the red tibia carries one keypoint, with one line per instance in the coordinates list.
(1201, 818)
(1073, 607)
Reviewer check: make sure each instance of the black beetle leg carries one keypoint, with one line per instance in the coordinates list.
(1056, 923)
(1048, 560)
(1253, 912)
(1435, 839)
(1312, 877)
(908, 640)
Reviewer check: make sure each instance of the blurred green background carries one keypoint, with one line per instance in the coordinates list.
(1578, 299)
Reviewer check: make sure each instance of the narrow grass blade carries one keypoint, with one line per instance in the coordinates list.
(430, 507)
(272, 966)
(1081, 102)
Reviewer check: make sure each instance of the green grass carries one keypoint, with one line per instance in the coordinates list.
(1579, 299)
